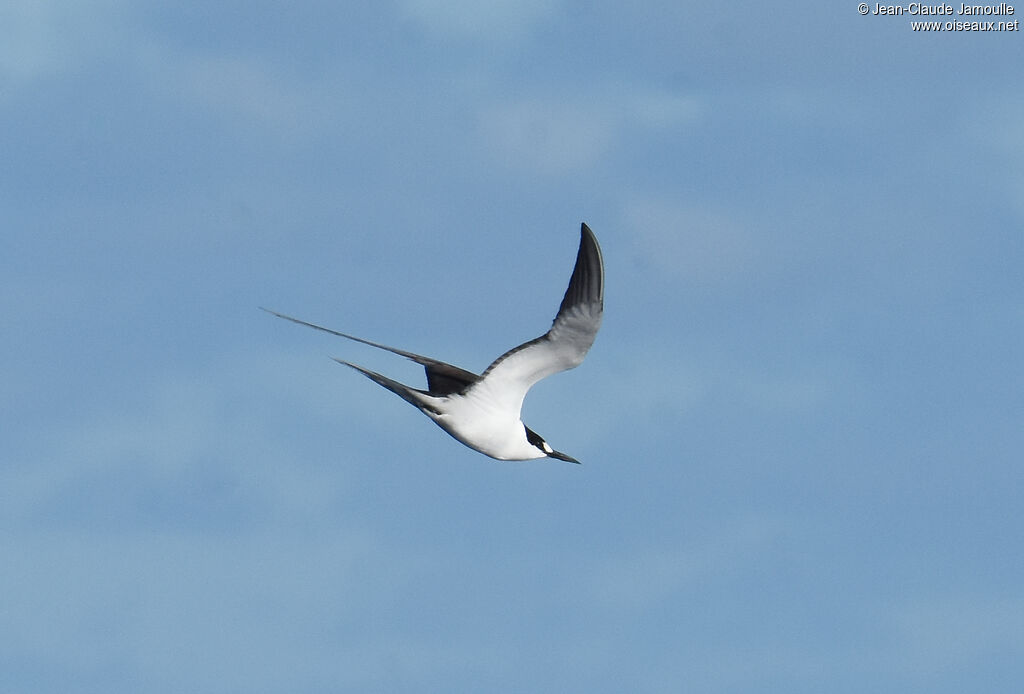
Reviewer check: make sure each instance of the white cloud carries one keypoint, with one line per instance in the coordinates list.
(695, 243)
(996, 125)
(656, 576)
(45, 38)
(941, 634)
(488, 20)
(183, 431)
(554, 136)
(657, 109)
(49, 36)
(153, 601)
(241, 90)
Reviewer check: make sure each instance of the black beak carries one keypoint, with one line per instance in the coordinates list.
(563, 456)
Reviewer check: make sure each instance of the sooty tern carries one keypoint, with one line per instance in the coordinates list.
(483, 411)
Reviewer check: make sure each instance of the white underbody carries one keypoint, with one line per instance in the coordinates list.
(486, 416)
(491, 430)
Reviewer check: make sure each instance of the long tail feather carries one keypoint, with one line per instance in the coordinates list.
(418, 358)
(418, 398)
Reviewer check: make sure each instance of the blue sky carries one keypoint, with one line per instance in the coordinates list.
(800, 424)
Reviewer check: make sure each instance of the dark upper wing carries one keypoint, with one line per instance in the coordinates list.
(586, 286)
(567, 342)
(442, 378)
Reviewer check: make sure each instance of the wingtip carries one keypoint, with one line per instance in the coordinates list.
(587, 235)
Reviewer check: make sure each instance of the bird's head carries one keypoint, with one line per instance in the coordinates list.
(538, 442)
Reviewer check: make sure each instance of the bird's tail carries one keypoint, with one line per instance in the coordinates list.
(418, 398)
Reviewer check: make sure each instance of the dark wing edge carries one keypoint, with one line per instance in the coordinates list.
(445, 379)
(442, 378)
(586, 286)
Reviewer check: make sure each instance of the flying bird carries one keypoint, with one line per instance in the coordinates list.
(482, 411)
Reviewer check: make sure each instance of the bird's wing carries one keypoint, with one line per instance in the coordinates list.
(564, 346)
(442, 378)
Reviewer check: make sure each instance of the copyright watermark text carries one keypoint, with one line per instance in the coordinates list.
(944, 17)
